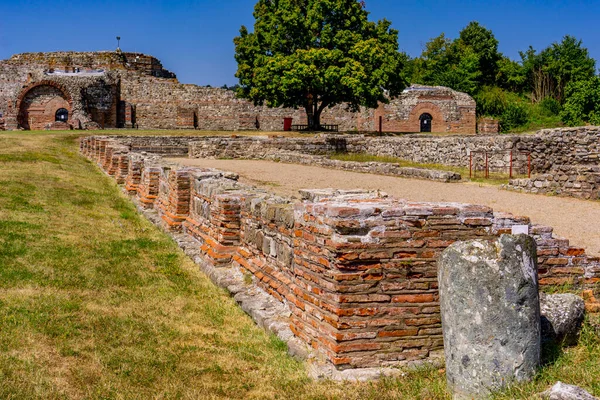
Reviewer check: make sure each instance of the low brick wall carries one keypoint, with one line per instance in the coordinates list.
(488, 126)
(356, 270)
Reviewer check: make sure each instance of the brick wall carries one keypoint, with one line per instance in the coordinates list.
(488, 126)
(357, 270)
(116, 89)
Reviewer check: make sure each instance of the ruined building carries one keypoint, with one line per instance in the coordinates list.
(69, 90)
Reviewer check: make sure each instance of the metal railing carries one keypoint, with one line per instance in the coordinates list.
(324, 127)
(485, 156)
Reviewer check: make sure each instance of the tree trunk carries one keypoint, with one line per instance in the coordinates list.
(313, 112)
(316, 119)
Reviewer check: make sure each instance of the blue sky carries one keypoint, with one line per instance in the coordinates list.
(194, 38)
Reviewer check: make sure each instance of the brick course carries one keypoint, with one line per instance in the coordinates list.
(356, 270)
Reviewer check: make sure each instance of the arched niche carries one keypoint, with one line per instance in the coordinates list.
(38, 105)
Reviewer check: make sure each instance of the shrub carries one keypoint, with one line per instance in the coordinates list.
(491, 101)
(550, 106)
(513, 116)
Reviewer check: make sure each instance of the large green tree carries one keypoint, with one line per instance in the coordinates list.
(466, 63)
(315, 54)
(551, 70)
(448, 63)
(476, 40)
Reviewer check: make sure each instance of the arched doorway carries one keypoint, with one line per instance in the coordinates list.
(62, 115)
(42, 104)
(426, 119)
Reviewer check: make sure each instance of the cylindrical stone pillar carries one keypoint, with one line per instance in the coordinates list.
(490, 314)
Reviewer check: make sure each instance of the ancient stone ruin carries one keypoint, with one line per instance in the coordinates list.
(561, 161)
(356, 271)
(94, 90)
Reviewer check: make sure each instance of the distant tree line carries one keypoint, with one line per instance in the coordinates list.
(315, 54)
(554, 86)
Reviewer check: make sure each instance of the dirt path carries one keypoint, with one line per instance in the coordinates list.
(577, 220)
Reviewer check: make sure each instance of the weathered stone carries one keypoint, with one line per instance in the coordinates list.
(355, 270)
(122, 89)
(490, 314)
(562, 391)
(562, 316)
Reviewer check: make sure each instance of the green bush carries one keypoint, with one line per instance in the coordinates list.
(491, 101)
(582, 102)
(513, 116)
(550, 106)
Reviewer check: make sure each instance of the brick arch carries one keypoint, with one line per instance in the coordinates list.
(437, 123)
(48, 115)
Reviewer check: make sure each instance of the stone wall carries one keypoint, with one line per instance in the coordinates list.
(357, 270)
(566, 146)
(313, 151)
(117, 89)
(582, 181)
(566, 164)
(549, 147)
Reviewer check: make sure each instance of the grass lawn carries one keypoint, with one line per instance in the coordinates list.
(95, 302)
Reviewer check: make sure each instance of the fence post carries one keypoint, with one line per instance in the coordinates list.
(510, 174)
(487, 166)
(470, 165)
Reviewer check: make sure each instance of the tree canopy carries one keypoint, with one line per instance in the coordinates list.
(316, 54)
(544, 88)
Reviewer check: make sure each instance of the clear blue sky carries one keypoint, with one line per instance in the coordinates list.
(194, 38)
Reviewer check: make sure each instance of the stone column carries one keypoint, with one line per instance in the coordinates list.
(490, 314)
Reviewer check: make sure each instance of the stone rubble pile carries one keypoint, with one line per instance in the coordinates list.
(562, 318)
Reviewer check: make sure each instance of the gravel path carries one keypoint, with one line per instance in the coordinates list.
(576, 220)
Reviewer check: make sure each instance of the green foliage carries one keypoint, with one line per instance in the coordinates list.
(514, 115)
(491, 101)
(483, 45)
(551, 70)
(523, 95)
(550, 106)
(583, 102)
(465, 64)
(446, 64)
(511, 75)
(316, 54)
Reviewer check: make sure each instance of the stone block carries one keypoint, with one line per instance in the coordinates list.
(490, 314)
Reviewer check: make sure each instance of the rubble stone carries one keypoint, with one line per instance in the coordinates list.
(562, 318)
(562, 391)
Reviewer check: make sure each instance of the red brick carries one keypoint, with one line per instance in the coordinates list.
(414, 298)
(398, 333)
